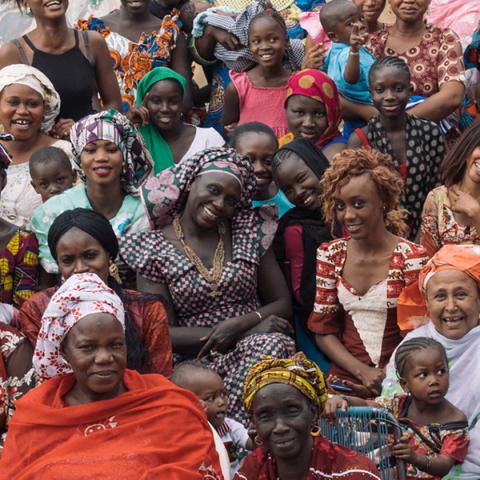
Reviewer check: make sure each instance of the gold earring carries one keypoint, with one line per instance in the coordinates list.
(315, 431)
(258, 440)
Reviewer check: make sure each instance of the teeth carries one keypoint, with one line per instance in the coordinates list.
(21, 122)
(209, 213)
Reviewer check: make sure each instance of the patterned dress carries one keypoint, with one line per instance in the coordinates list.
(367, 324)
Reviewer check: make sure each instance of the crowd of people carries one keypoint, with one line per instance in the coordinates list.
(192, 277)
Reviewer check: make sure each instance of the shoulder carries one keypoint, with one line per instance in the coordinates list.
(9, 54)
(46, 213)
(446, 35)
(437, 195)
(333, 247)
(211, 137)
(409, 249)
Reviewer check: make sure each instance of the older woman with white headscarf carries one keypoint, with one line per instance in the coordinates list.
(29, 105)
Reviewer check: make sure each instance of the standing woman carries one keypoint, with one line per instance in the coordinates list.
(359, 279)
(78, 65)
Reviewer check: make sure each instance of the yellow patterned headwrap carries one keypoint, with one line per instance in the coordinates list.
(297, 371)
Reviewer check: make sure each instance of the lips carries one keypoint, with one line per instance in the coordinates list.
(103, 171)
(309, 200)
(54, 4)
(105, 374)
(390, 107)
(21, 124)
(210, 214)
(353, 228)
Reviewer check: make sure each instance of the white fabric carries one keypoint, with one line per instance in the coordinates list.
(464, 391)
(238, 435)
(204, 138)
(222, 454)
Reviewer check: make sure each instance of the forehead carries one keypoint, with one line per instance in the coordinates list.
(166, 87)
(360, 185)
(77, 238)
(50, 168)
(346, 10)
(275, 395)
(20, 90)
(225, 180)
(427, 357)
(258, 25)
(390, 74)
(201, 380)
(450, 279)
(291, 165)
(252, 140)
(306, 103)
(96, 326)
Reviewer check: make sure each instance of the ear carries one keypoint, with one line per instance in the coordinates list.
(403, 384)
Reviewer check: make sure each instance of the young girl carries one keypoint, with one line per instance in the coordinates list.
(415, 145)
(436, 432)
(259, 93)
(258, 142)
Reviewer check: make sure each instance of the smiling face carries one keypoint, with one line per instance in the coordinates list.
(165, 104)
(453, 303)
(21, 111)
(473, 166)
(212, 199)
(102, 162)
(47, 8)
(95, 349)
(135, 6)
(371, 9)
(306, 117)
(409, 10)
(390, 89)
(51, 178)
(358, 207)
(283, 418)
(298, 182)
(267, 41)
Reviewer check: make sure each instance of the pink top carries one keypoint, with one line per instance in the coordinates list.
(261, 104)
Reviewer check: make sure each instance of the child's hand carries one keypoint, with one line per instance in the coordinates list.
(402, 449)
(334, 403)
(315, 57)
(358, 37)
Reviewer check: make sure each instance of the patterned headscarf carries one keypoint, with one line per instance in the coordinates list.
(166, 193)
(114, 127)
(80, 295)
(31, 77)
(315, 84)
(5, 157)
(298, 371)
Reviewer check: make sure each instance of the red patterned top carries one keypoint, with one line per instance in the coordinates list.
(437, 59)
(367, 324)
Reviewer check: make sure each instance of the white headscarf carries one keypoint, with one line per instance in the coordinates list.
(31, 77)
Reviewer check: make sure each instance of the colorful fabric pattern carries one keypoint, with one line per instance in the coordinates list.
(5, 157)
(112, 126)
(81, 295)
(19, 268)
(437, 59)
(319, 86)
(471, 54)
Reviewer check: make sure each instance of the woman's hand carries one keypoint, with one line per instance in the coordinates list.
(464, 204)
(62, 128)
(357, 389)
(139, 114)
(372, 379)
(333, 404)
(222, 336)
(272, 324)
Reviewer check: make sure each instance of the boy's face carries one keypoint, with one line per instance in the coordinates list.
(342, 28)
(52, 178)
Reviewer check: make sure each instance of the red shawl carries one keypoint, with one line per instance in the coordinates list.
(154, 430)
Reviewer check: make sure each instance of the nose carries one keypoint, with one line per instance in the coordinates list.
(280, 427)
(21, 108)
(348, 214)
(80, 266)
(451, 305)
(307, 120)
(53, 189)
(259, 167)
(164, 107)
(103, 356)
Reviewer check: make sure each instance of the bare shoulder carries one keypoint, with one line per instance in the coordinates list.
(9, 55)
(455, 414)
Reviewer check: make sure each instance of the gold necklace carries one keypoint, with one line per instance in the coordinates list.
(213, 276)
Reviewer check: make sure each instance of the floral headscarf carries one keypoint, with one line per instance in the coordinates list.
(114, 127)
(5, 157)
(166, 193)
(80, 295)
(31, 77)
(315, 84)
(298, 371)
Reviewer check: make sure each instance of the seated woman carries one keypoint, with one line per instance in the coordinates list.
(159, 112)
(298, 168)
(29, 105)
(82, 240)
(451, 213)
(92, 417)
(18, 254)
(113, 162)
(448, 292)
(416, 146)
(285, 398)
(210, 257)
(313, 111)
(359, 279)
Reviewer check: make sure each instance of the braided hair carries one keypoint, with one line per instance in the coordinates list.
(407, 349)
(269, 12)
(388, 62)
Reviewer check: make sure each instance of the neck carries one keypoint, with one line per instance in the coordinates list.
(297, 468)
(173, 133)
(470, 187)
(53, 32)
(139, 17)
(410, 29)
(78, 396)
(394, 124)
(21, 147)
(271, 72)
(378, 240)
(373, 26)
(105, 199)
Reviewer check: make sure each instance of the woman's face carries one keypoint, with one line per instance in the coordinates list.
(371, 9)
(47, 9)
(102, 162)
(79, 252)
(95, 349)
(306, 117)
(21, 111)
(298, 182)
(358, 206)
(453, 303)
(283, 418)
(409, 10)
(212, 199)
(473, 166)
(165, 104)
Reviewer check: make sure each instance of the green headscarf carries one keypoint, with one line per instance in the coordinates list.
(156, 144)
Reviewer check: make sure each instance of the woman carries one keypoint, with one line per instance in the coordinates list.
(113, 162)
(210, 257)
(29, 105)
(92, 417)
(298, 168)
(137, 43)
(448, 288)
(285, 398)
(451, 213)
(82, 240)
(159, 112)
(57, 51)
(360, 278)
(433, 55)
(313, 111)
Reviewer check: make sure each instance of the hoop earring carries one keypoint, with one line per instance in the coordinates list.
(315, 431)
(258, 440)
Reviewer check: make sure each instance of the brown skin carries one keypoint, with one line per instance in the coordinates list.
(371, 10)
(52, 35)
(212, 200)
(52, 178)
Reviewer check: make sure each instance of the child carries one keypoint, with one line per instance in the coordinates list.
(259, 93)
(436, 435)
(51, 172)
(207, 385)
(371, 10)
(258, 142)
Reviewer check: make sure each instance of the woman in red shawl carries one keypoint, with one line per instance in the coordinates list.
(92, 417)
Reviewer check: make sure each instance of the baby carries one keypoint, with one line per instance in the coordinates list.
(51, 172)
(207, 385)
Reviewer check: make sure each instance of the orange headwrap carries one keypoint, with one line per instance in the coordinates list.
(411, 302)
